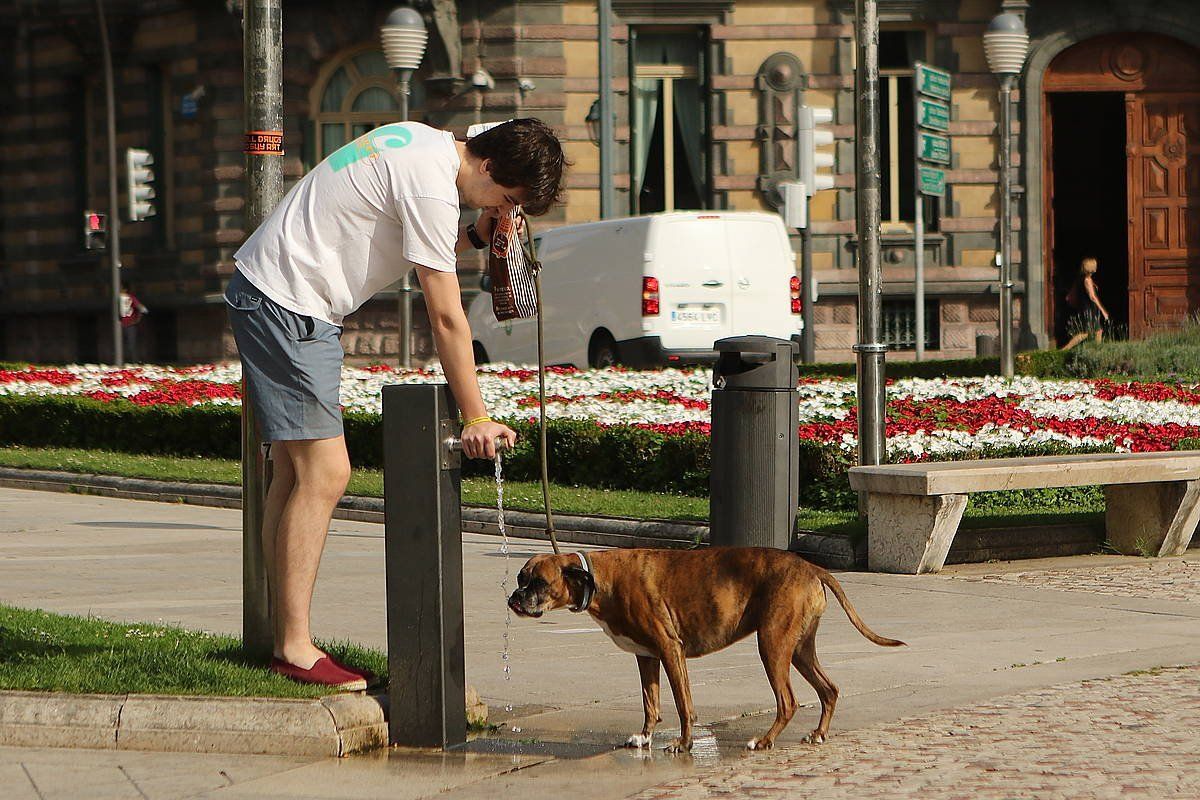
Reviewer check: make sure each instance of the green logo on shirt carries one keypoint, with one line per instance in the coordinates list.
(370, 144)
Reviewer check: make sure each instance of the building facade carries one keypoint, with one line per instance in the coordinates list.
(1105, 148)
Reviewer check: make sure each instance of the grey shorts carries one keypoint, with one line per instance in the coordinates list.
(292, 365)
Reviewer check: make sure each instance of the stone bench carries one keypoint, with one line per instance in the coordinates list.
(913, 510)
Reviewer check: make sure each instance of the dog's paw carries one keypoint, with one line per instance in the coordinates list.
(816, 737)
(639, 741)
(759, 744)
(678, 746)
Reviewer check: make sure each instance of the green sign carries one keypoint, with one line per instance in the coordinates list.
(933, 114)
(931, 81)
(931, 180)
(933, 147)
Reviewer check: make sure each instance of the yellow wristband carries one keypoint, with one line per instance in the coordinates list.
(476, 421)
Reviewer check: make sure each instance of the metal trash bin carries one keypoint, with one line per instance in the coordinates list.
(987, 345)
(754, 487)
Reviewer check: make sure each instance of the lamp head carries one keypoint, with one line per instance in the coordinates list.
(1006, 44)
(404, 37)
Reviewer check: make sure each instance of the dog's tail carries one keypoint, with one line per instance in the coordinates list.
(855, 620)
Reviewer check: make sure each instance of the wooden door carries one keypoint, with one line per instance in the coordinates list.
(1163, 130)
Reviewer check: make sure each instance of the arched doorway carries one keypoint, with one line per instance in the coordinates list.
(1122, 177)
(355, 92)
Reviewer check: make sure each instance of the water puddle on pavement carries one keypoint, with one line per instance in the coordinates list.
(586, 744)
(569, 750)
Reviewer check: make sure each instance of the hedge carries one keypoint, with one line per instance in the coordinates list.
(1037, 363)
(583, 453)
(1043, 364)
(60, 421)
(939, 368)
(580, 452)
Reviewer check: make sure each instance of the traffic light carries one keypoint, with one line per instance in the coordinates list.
(95, 230)
(140, 176)
(795, 204)
(812, 137)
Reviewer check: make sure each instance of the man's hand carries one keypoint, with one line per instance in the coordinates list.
(487, 223)
(479, 440)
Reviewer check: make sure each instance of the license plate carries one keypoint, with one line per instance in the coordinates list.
(702, 316)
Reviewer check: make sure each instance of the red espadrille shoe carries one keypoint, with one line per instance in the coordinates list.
(322, 673)
(362, 672)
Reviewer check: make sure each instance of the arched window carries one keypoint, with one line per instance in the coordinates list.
(355, 93)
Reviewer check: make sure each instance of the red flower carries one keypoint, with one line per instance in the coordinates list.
(55, 377)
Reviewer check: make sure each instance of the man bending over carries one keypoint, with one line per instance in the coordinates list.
(380, 206)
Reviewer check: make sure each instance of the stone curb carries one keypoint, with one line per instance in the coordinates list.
(333, 726)
(832, 552)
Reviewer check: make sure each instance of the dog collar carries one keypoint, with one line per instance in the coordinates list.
(589, 588)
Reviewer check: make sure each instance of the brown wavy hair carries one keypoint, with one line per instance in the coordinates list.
(525, 154)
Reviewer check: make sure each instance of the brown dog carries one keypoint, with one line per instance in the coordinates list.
(666, 606)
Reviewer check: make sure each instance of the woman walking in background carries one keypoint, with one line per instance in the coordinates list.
(1090, 315)
(132, 312)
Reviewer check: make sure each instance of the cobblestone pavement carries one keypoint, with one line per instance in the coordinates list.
(1155, 579)
(1133, 736)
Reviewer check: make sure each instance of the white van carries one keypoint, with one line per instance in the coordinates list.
(651, 291)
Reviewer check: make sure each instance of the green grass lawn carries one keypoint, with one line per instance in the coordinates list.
(985, 509)
(518, 495)
(40, 651)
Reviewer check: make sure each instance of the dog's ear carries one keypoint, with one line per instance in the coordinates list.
(579, 581)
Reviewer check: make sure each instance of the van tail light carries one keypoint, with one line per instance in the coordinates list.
(649, 297)
(794, 287)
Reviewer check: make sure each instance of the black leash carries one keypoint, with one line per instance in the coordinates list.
(530, 250)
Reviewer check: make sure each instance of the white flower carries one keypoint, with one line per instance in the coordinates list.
(610, 396)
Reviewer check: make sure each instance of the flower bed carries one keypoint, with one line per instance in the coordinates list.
(615, 427)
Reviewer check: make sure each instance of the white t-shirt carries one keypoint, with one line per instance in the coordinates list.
(358, 221)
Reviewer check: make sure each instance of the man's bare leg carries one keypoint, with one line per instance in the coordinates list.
(296, 523)
(1076, 339)
(283, 481)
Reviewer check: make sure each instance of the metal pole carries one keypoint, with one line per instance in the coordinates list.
(870, 349)
(607, 198)
(1006, 282)
(808, 313)
(404, 343)
(114, 213)
(919, 271)
(422, 484)
(918, 240)
(404, 90)
(262, 27)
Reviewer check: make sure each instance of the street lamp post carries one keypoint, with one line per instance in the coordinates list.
(1006, 44)
(114, 214)
(262, 32)
(404, 38)
(607, 196)
(868, 204)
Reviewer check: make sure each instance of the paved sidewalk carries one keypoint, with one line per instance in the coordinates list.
(977, 634)
(1136, 736)
(1173, 579)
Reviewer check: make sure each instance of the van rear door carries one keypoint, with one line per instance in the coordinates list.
(691, 263)
(761, 265)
